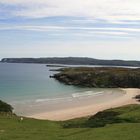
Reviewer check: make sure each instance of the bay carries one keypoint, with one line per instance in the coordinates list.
(28, 86)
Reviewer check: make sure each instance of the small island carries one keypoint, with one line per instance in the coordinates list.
(54, 65)
(100, 77)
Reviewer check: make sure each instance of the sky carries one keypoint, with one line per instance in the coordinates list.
(103, 29)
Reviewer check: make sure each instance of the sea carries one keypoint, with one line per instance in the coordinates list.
(26, 85)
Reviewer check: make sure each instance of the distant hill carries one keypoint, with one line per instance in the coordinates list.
(72, 61)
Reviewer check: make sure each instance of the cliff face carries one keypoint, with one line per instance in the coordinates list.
(100, 77)
(72, 61)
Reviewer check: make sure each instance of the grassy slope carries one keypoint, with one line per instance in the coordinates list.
(30, 129)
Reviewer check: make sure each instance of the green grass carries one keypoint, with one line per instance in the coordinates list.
(11, 128)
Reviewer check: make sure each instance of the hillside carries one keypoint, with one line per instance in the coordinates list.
(5, 108)
(72, 61)
(114, 124)
(100, 77)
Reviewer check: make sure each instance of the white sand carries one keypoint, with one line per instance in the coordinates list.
(90, 109)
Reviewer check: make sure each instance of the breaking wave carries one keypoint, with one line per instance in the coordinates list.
(53, 99)
(74, 95)
(88, 93)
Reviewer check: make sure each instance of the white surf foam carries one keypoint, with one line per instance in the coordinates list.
(74, 95)
(52, 99)
(88, 93)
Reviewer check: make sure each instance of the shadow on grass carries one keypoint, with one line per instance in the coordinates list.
(76, 133)
(101, 119)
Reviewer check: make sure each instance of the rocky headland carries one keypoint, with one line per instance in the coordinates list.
(102, 77)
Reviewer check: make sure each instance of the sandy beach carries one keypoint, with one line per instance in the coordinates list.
(76, 111)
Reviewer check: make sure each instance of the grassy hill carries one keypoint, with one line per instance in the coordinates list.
(114, 124)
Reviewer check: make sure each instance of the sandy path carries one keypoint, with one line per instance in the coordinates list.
(90, 109)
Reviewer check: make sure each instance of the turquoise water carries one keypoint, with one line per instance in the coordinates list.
(19, 82)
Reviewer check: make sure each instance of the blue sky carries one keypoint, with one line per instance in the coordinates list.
(105, 29)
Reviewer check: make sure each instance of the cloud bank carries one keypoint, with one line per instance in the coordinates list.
(93, 9)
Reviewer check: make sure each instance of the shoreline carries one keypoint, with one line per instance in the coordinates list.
(89, 109)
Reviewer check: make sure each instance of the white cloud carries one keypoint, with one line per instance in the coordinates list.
(68, 28)
(79, 31)
(102, 9)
